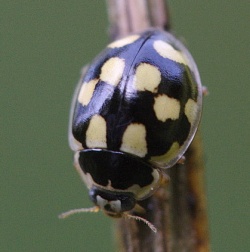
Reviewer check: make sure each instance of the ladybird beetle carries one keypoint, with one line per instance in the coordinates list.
(134, 114)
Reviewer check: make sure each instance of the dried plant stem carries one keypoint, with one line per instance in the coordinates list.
(188, 214)
(178, 208)
(130, 16)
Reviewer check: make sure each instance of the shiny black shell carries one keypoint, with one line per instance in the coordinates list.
(117, 108)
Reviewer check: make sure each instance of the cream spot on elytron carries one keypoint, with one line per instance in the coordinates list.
(96, 133)
(112, 70)
(134, 140)
(147, 77)
(166, 108)
(86, 92)
(191, 110)
(124, 41)
(170, 154)
(167, 51)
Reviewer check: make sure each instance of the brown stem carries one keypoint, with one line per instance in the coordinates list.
(130, 16)
(178, 208)
(188, 212)
(196, 194)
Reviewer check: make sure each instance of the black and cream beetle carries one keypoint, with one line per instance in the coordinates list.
(134, 114)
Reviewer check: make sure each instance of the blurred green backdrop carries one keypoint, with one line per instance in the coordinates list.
(44, 44)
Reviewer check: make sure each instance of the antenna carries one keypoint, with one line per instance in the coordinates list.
(94, 209)
(138, 218)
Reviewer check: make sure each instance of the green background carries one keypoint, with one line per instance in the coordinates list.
(44, 44)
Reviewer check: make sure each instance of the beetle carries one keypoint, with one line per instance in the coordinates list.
(134, 113)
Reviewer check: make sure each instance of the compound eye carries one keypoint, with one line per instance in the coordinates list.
(127, 203)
